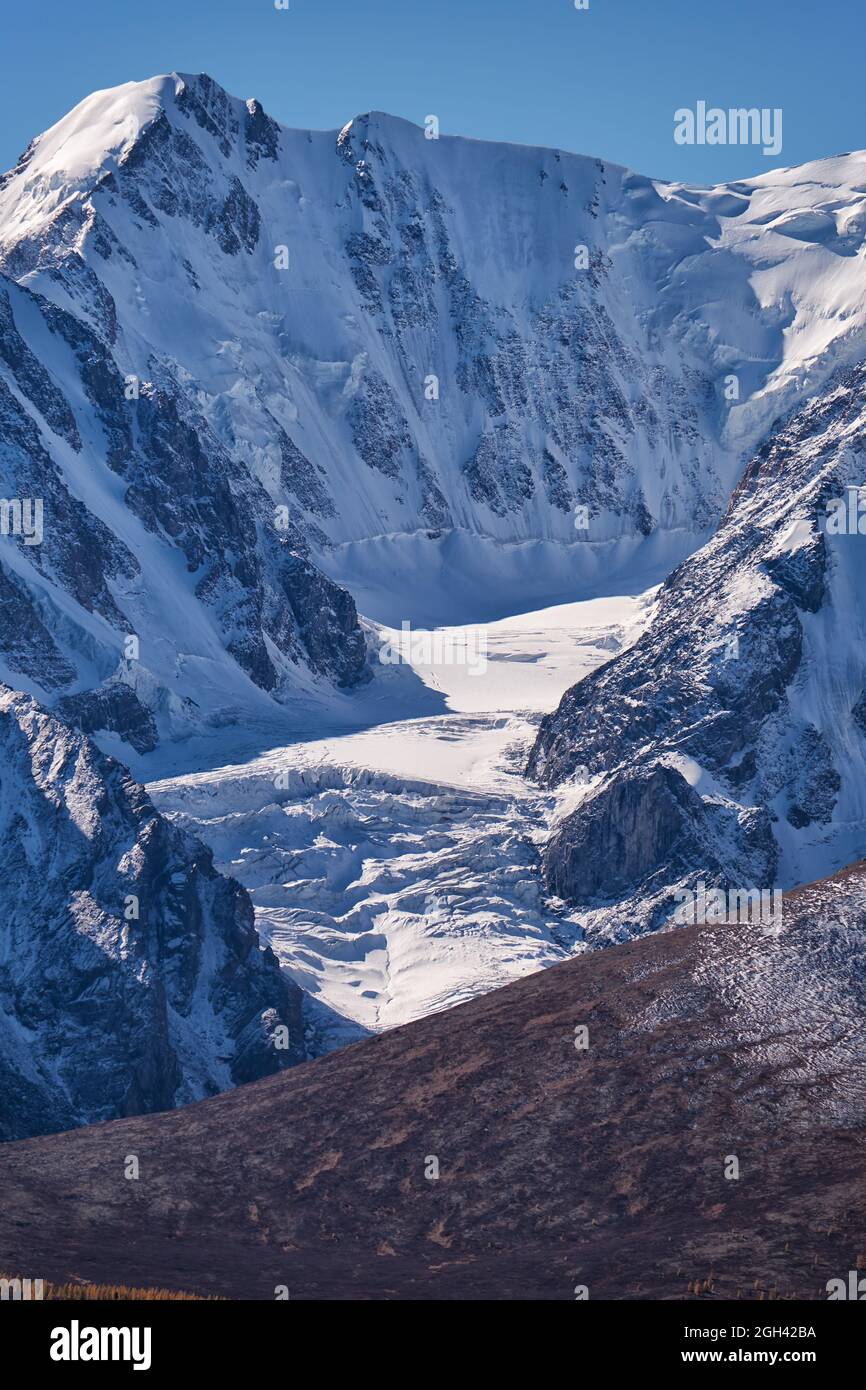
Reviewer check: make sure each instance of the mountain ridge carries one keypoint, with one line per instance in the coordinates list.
(570, 1135)
(734, 718)
(382, 358)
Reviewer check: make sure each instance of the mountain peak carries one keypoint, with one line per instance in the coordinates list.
(98, 134)
(105, 123)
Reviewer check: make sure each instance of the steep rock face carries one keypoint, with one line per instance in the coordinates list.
(645, 829)
(748, 681)
(131, 975)
(116, 708)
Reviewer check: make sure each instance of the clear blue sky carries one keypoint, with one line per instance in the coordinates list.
(605, 82)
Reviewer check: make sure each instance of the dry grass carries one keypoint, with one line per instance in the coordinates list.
(114, 1293)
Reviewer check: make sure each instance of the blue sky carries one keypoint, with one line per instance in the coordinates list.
(603, 82)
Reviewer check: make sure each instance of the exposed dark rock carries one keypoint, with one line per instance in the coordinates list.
(211, 108)
(129, 965)
(102, 382)
(497, 474)
(25, 642)
(638, 823)
(31, 377)
(262, 134)
(238, 221)
(714, 677)
(646, 830)
(77, 548)
(802, 574)
(814, 783)
(380, 433)
(114, 708)
(323, 610)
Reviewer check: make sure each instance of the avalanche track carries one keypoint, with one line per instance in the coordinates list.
(395, 870)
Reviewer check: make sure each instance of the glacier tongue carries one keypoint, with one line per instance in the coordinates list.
(395, 871)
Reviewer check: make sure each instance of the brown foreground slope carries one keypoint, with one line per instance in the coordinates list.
(557, 1167)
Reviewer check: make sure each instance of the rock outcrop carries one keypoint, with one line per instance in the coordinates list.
(747, 684)
(131, 976)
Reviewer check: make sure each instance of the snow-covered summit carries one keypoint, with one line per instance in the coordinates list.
(442, 366)
(68, 159)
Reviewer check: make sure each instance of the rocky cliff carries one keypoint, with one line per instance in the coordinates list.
(727, 740)
(131, 975)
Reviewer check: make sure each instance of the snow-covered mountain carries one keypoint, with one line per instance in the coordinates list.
(730, 740)
(235, 357)
(254, 380)
(131, 975)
